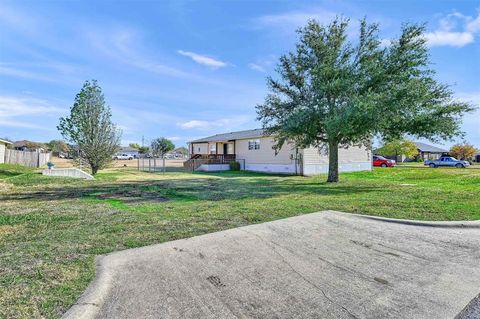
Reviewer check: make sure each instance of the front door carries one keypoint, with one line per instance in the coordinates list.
(225, 148)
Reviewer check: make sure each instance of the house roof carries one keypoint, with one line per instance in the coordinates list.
(128, 149)
(22, 143)
(5, 141)
(429, 148)
(240, 135)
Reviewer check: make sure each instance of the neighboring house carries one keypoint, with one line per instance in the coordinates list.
(429, 152)
(3, 146)
(129, 151)
(25, 145)
(253, 150)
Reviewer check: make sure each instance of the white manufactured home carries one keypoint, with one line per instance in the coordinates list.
(3, 146)
(253, 149)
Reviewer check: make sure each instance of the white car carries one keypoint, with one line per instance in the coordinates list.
(123, 157)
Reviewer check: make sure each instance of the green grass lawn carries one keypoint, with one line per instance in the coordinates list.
(51, 229)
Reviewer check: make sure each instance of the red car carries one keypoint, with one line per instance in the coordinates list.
(382, 161)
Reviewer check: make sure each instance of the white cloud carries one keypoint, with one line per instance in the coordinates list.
(18, 106)
(295, 19)
(17, 112)
(454, 39)
(196, 124)
(385, 42)
(257, 67)
(123, 45)
(455, 29)
(263, 64)
(229, 123)
(16, 72)
(203, 59)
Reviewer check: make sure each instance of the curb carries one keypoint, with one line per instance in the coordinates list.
(440, 224)
(471, 311)
(88, 305)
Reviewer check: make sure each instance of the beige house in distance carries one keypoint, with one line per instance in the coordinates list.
(253, 150)
(3, 146)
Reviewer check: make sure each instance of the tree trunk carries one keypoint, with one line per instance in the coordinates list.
(332, 162)
(94, 169)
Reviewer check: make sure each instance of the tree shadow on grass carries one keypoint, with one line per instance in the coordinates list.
(231, 186)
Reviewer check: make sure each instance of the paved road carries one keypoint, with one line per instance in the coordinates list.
(322, 265)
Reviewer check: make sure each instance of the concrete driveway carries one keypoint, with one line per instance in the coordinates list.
(321, 265)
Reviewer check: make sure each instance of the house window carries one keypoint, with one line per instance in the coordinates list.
(213, 148)
(230, 148)
(254, 144)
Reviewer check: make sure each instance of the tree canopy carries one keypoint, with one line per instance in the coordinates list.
(90, 128)
(398, 147)
(143, 149)
(134, 145)
(160, 146)
(463, 151)
(332, 92)
(58, 146)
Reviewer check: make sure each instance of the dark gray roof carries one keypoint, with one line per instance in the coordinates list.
(240, 135)
(429, 148)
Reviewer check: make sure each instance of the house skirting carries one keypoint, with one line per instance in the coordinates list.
(273, 168)
(315, 169)
(308, 169)
(213, 167)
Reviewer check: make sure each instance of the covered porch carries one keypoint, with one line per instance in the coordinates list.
(211, 155)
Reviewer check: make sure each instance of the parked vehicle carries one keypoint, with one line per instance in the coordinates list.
(447, 161)
(382, 161)
(123, 157)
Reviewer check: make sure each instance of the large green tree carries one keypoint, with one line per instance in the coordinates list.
(160, 146)
(398, 147)
(332, 92)
(90, 128)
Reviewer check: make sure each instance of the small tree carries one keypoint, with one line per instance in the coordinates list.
(58, 146)
(143, 149)
(34, 145)
(334, 93)
(160, 146)
(134, 145)
(90, 128)
(398, 147)
(463, 151)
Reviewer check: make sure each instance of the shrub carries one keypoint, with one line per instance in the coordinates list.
(234, 166)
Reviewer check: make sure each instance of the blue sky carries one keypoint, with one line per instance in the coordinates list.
(185, 69)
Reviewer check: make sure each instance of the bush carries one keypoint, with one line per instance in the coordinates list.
(234, 166)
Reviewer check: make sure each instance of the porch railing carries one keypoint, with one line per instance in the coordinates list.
(198, 159)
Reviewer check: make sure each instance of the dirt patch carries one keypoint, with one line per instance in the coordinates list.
(135, 197)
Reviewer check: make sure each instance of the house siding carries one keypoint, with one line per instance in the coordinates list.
(2, 153)
(265, 159)
(200, 148)
(353, 158)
